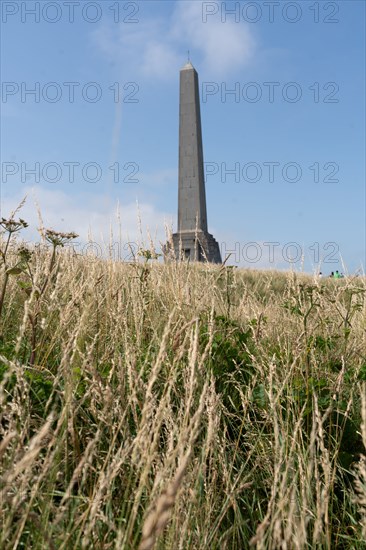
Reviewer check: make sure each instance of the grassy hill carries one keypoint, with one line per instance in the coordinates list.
(179, 406)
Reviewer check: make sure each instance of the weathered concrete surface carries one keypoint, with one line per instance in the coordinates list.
(192, 240)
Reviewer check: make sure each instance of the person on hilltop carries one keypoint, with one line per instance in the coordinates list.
(337, 275)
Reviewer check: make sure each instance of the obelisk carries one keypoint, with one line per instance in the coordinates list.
(192, 240)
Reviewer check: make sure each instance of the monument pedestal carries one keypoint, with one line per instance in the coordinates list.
(196, 246)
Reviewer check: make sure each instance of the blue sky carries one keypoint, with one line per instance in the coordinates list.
(292, 130)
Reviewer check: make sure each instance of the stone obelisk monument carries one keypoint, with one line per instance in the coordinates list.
(192, 240)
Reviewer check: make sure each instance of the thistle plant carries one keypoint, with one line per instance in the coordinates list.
(148, 254)
(10, 227)
(56, 239)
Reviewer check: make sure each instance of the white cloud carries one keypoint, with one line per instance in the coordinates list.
(92, 217)
(158, 59)
(225, 47)
(155, 47)
(139, 47)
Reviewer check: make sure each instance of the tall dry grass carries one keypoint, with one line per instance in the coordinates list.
(180, 406)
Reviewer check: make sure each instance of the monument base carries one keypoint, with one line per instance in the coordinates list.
(195, 246)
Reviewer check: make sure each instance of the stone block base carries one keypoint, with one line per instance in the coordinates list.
(195, 246)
